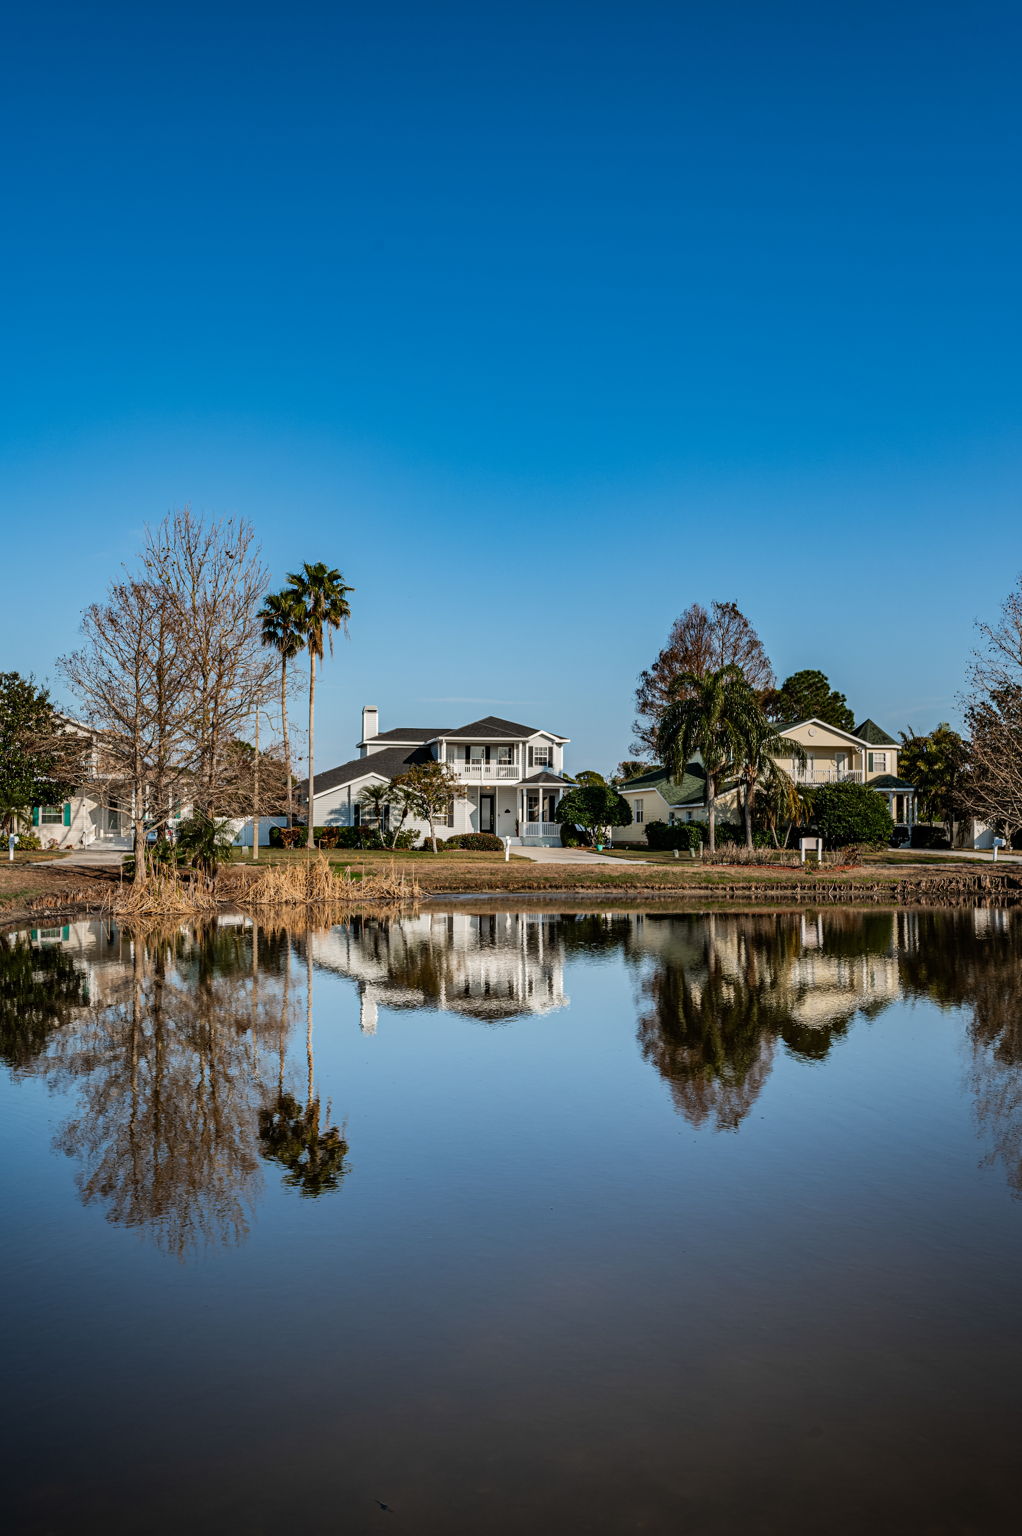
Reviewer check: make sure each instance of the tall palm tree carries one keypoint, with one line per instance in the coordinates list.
(282, 619)
(323, 600)
(709, 714)
(762, 746)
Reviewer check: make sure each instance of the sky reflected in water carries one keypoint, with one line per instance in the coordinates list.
(605, 1222)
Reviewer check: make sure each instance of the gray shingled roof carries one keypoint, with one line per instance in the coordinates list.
(411, 733)
(545, 777)
(491, 726)
(888, 781)
(385, 765)
(871, 732)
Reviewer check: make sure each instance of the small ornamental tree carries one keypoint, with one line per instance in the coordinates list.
(848, 813)
(429, 789)
(593, 807)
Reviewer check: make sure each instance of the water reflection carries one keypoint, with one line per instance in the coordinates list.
(173, 1046)
(492, 967)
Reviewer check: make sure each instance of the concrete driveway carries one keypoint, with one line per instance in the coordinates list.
(92, 858)
(568, 856)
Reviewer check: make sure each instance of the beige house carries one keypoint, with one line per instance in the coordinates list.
(867, 755)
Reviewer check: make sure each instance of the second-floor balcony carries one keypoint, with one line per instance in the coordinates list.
(480, 772)
(827, 775)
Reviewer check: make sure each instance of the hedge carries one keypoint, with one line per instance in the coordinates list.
(480, 842)
(683, 835)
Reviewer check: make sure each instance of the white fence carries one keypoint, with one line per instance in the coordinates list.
(540, 829)
(828, 776)
(486, 773)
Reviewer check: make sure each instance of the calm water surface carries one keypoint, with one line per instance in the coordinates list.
(597, 1223)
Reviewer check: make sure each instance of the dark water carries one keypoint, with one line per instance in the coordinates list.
(587, 1223)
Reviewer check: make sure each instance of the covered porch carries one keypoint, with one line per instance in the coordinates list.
(900, 797)
(526, 813)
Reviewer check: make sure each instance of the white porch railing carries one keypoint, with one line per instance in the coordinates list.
(828, 775)
(487, 773)
(540, 829)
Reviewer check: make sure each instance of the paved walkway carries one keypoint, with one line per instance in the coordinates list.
(92, 858)
(568, 856)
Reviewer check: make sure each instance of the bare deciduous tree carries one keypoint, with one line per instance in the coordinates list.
(130, 679)
(172, 671)
(994, 718)
(699, 643)
(213, 580)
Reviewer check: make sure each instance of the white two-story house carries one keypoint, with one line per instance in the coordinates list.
(513, 776)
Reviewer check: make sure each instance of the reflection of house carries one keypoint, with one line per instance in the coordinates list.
(512, 776)
(492, 967)
(810, 977)
(866, 755)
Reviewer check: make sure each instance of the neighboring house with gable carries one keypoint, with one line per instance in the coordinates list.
(513, 775)
(867, 755)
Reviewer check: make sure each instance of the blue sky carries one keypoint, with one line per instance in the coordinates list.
(539, 321)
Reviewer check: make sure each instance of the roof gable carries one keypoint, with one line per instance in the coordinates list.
(824, 725)
(689, 790)
(870, 732)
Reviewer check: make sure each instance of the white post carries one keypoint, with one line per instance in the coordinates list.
(507, 849)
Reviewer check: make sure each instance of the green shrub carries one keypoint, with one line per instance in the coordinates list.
(354, 837)
(405, 839)
(28, 842)
(683, 835)
(481, 842)
(848, 813)
(573, 837)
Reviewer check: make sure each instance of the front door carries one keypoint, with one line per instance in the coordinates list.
(486, 813)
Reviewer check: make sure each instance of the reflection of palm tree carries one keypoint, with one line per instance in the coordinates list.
(720, 1003)
(290, 1134)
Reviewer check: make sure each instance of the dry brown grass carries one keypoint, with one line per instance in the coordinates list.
(316, 882)
(166, 895)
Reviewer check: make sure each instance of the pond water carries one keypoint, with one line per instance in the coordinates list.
(469, 1222)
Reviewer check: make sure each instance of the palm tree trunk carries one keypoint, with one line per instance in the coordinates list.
(711, 807)
(287, 741)
(310, 840)
(748, 814)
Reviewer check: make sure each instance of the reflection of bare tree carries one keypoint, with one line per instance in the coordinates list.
(290, 1133)
(973, 959)
(169, 1091)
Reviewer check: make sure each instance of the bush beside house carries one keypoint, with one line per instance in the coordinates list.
(843, 814)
